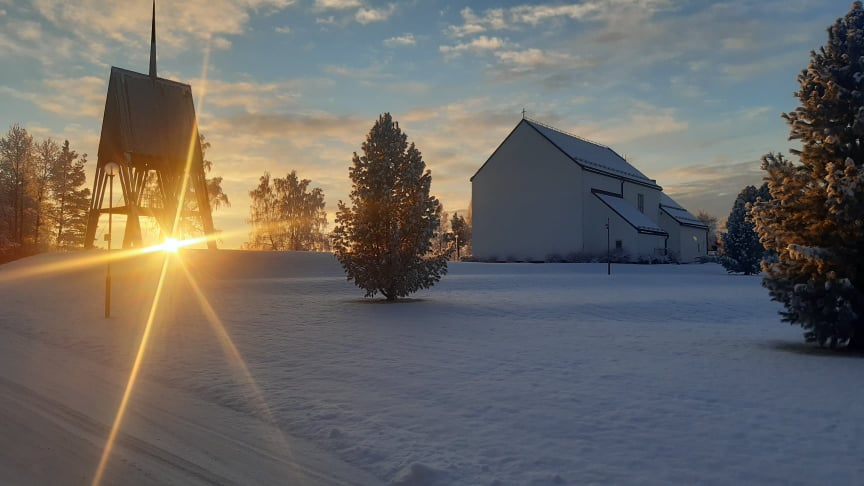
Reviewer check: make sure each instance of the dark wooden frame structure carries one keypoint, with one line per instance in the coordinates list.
(149, 127)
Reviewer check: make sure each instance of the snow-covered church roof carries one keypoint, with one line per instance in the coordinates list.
(590, 155)
(678, 213)
(633, 216)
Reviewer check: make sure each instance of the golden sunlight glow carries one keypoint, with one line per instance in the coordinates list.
(133, 377)
(233, 355)
(172, 245)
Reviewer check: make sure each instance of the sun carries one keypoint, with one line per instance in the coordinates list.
(172, 245)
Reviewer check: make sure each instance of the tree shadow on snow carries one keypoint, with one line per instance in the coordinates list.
(378, 300)
(810, 349)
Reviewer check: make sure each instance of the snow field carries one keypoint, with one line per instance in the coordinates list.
(500, 374)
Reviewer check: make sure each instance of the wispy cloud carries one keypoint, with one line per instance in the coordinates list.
(761, 67)
(608, 11)
(710, 187)
(69, 98)
(402, 40)
(370, 15)
(370, 72)
(492, 19)
(182, 25)
(640, 122)
(252, 96)
(337, 4)
(27, 40)
(479, 44)
(27, 31)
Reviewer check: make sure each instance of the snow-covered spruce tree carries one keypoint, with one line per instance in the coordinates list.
(383, 240)
(815, 222)
(743, 251)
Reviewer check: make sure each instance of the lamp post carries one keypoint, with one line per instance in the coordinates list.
(111, 169)
(608, 250)
(457, 247)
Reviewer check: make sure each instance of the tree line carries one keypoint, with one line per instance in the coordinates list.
(43, 198)
(286, 214)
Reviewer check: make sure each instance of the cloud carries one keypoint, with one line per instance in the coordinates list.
(371, 72)
(282, 30)
(405, 87)
(250, 96)
(762, 66)
(369, 15)
(337, 4)
(492, 19)
(27, 31)
(627, 120)
(402, 40)
(738, 43)
(74, 98)
(221, 43)
(535, 14)
(553, 67)
(606, 11)
(754, 112)
(479, 44)
(710, 187)
(81, 140)
(106, 25)
(27, 40)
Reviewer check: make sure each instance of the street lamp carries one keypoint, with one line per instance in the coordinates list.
(111, 169)
(608, 250)
(457, 247)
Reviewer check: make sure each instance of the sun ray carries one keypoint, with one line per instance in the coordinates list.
(193, 141)
(69, 265)
(133, 376)
(170, 247)
(234, 357)
(90, 259)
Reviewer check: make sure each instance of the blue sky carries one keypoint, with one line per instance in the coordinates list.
(690, 92)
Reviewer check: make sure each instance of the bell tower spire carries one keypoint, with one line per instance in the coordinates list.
(153, 44)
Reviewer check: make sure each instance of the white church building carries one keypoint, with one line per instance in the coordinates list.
(546, 194)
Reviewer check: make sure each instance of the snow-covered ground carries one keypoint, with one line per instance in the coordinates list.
(500, 374)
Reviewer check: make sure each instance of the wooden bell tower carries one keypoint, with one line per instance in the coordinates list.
(149, 129)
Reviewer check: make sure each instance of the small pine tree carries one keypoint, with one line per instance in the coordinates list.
(383, 240)
(743, 251)
(814, 222)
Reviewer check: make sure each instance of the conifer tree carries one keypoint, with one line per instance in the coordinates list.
(743, 251)
(814, 222)
(16, 167)
(383, 239)
(71, 198)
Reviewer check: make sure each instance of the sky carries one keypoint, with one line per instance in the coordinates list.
(690, 92)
